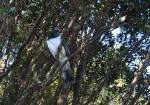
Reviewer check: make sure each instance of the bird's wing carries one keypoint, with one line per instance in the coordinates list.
(64, 43)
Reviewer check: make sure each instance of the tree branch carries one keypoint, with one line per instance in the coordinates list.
(136, 79)
(30, 35)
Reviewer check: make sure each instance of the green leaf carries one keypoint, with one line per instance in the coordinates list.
(3, 10)
(12, 9)
(6, 10)
(1, 45)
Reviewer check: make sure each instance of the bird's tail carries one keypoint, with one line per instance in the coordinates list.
(68, 78)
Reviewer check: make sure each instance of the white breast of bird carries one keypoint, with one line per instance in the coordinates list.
(53, 45)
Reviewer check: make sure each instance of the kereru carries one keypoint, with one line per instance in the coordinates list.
(54, 42)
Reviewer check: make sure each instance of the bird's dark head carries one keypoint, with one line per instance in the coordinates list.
(55, 33)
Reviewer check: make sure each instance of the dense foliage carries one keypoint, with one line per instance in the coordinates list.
(108, 39)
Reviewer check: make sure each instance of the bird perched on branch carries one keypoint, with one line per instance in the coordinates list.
(60, 52)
